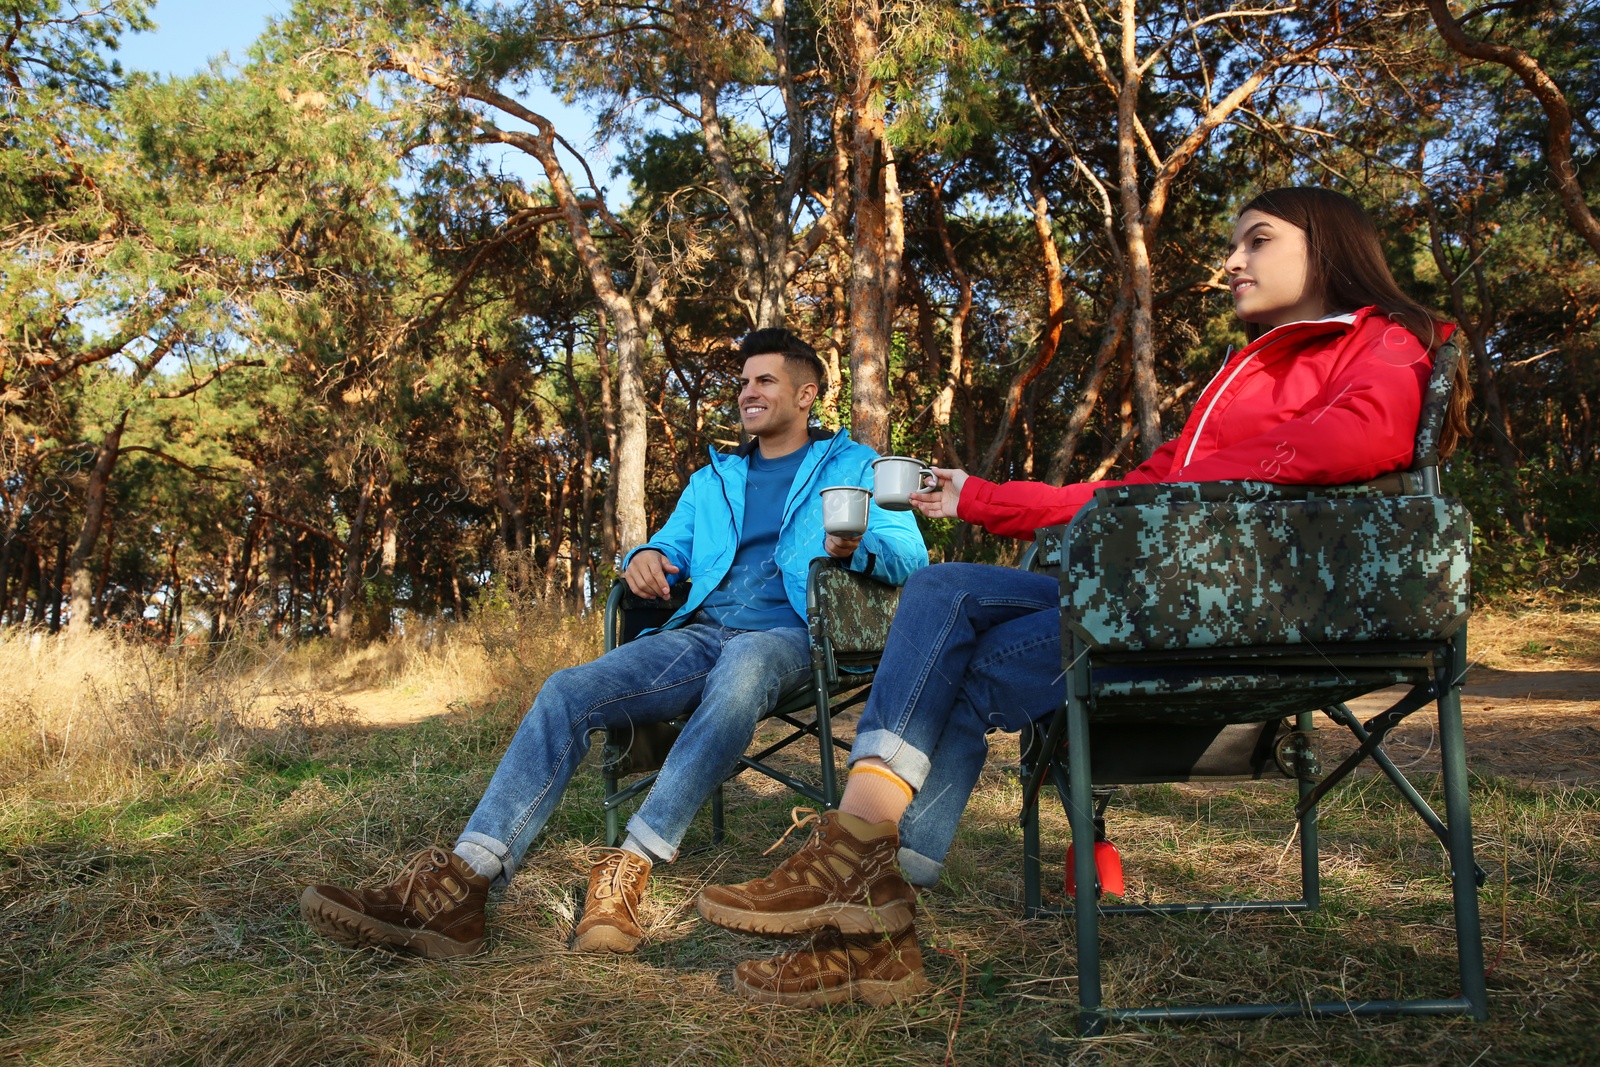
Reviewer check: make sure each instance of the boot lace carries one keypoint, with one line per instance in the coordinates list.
(422, 864)
(799, 818)
(621, 880)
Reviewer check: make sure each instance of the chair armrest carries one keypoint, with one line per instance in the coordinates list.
(627, 614)
(1179, 571)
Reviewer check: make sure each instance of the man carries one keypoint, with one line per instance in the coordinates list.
(744, 531)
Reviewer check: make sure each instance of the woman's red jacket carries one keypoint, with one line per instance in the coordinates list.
(1310, 403)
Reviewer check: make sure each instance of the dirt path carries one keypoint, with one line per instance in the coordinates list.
(385, 707)
(1533, 724)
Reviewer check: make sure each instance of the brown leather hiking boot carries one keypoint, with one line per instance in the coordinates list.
(435, 908)
(611, 911)
(832, 968)
(844, 877)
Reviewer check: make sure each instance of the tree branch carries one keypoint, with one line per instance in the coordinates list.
(1550, 97)
(200, 384)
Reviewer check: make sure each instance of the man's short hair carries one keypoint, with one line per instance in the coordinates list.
(799, 357)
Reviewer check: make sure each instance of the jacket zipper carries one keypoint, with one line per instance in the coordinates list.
(1200, 428)
(821, 462)
(1194, 441)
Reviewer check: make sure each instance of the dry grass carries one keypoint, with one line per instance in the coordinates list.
(96, 698)
(1542, 635)
(147, 907)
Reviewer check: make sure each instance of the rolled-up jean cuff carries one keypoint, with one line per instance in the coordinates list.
(919, 870)
(502, 852)
(903, 759)
(651, 840)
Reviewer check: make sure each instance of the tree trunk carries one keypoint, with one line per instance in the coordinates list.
(631, 435)
(295, 608)
(380, 620)
(1135, 244)
(93, 514)
(632, 314)
(608, 416)
(25, 580)
(879, 236)
(838, 337)
(769, 251)
(1055, 319)
(944, 402)
(58, 581)
(279, 576)
(237, 577)
(313, 581)
(583, 506)
(513, 525)
(98, 607)
(7, 549)
(354, 560)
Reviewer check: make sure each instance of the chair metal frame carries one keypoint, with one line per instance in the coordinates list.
(841, 679)
(1433, 665)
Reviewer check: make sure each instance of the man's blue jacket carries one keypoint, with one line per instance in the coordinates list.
(702, 535)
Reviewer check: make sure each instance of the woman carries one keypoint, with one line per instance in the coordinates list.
(1328, 391)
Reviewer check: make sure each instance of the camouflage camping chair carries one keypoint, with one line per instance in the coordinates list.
(847, 616)
(1190, 609)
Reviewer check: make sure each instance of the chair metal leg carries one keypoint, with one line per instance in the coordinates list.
(1032, 894)
(1457, 809)
(1310, 865)
(830, 785)
(1342, 715)
(1421, 696)
(1086, 911)
(613, 820)
(716, 816)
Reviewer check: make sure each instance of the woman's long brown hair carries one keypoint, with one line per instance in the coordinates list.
(1347, 267)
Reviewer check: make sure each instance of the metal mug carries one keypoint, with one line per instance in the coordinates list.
(895, 478)
(844, 510)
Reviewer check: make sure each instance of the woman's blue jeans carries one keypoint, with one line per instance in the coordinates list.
(730, 679)
(973, 648)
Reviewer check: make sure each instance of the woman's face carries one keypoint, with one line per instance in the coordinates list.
(1267, 267)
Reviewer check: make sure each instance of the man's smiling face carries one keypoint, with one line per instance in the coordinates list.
(771, 402)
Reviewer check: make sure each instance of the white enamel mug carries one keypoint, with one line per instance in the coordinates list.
(844, 510)
(895, 478)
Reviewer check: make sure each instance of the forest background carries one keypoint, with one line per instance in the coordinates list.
(348, 335)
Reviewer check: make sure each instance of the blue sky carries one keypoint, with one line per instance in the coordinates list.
(189, 33)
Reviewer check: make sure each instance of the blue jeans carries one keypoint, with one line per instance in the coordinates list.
(973, 648)
(730, 679)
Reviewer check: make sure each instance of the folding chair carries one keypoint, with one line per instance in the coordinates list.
(847, 619)
(1189, 607)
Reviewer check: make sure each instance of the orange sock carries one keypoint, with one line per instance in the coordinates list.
(875, 793)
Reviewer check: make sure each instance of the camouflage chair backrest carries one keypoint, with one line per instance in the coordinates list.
(1435, 405)
(853, 610)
